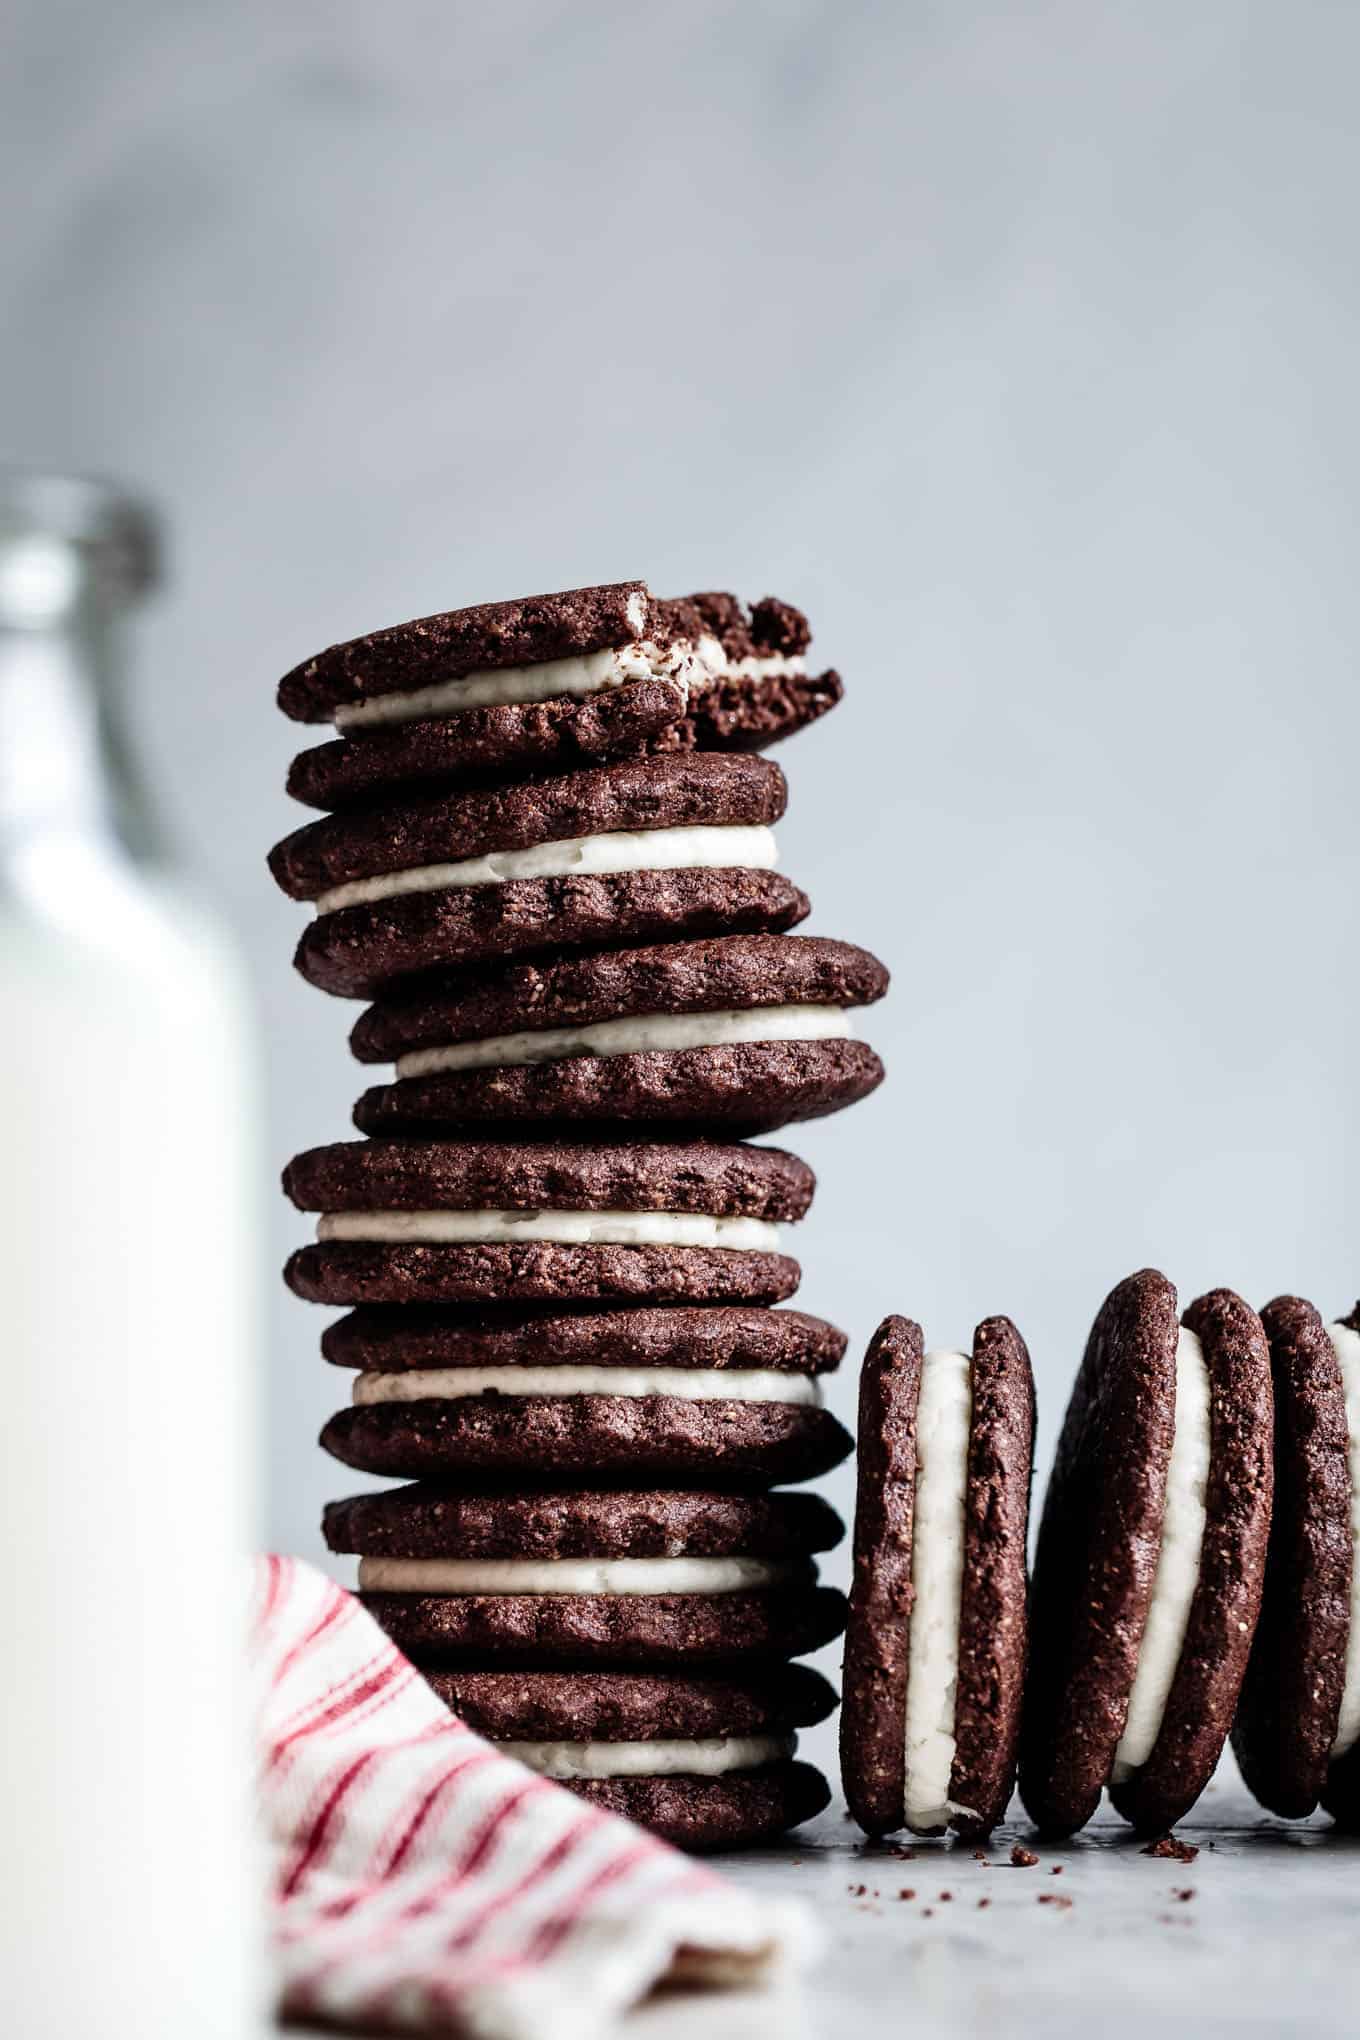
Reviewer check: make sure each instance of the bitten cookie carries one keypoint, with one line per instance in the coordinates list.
(743, 1033)
(1297, 1730)
(935, 1643)
(520, 689)
(1150, 1561)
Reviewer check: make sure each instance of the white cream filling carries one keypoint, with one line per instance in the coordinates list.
(578, 1575)
(742, 845)
(589, 673)
(690, 1384)
(706, 1757)
(563, 1228)
(1177, 1574)
(763, 666)
(943, 1420)
(693, 664)
(638, 1034)
(1347, 1345)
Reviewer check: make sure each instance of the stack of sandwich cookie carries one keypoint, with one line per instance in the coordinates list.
(935, 1645)
(1297, 1731)
(1150, 1560)
(548, 861)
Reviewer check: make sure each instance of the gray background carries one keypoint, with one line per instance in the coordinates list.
(1017, 343)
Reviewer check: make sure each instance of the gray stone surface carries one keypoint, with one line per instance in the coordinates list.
(1266, 1944)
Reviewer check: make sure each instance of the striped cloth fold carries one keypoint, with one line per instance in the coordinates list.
(424, 1883)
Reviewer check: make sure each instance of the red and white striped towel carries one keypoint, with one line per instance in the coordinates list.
(425, 1883)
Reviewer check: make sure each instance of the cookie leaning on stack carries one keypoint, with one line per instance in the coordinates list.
(548, 862)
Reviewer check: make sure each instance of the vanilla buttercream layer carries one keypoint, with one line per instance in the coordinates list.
(561, 1228)
(689, 1384)
(944, 1415)
(579, 1575)
(581, 675)
(736, 846)
(693, 664)
(1347, 1346)
(637, 1034)
(706, 1757)
(1177, 1574)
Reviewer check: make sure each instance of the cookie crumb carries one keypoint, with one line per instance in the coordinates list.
(983, 1903)
(1056, 1871)
(1171, 1849)
(1058, 1898)
(1022, 1858)
(906, 1892)
(945, 1897)
(1186, 1895)
(927, 1912)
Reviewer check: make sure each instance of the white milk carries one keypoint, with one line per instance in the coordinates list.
(127, 1293)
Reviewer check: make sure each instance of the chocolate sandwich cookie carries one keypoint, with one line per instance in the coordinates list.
(1151, 1559)
(385, 1341)
(527, 688)
(647, 848)
(482, 1222)
(746, 1033)
(584, 1579)
(935, 1643)
(1297, 1730)
(726, 1396)
(706, 1762)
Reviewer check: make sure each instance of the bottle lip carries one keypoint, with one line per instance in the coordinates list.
(115, 535)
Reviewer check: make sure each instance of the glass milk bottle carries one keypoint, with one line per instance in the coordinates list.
(127, 1273)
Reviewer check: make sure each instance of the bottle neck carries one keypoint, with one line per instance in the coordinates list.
(64, 769)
